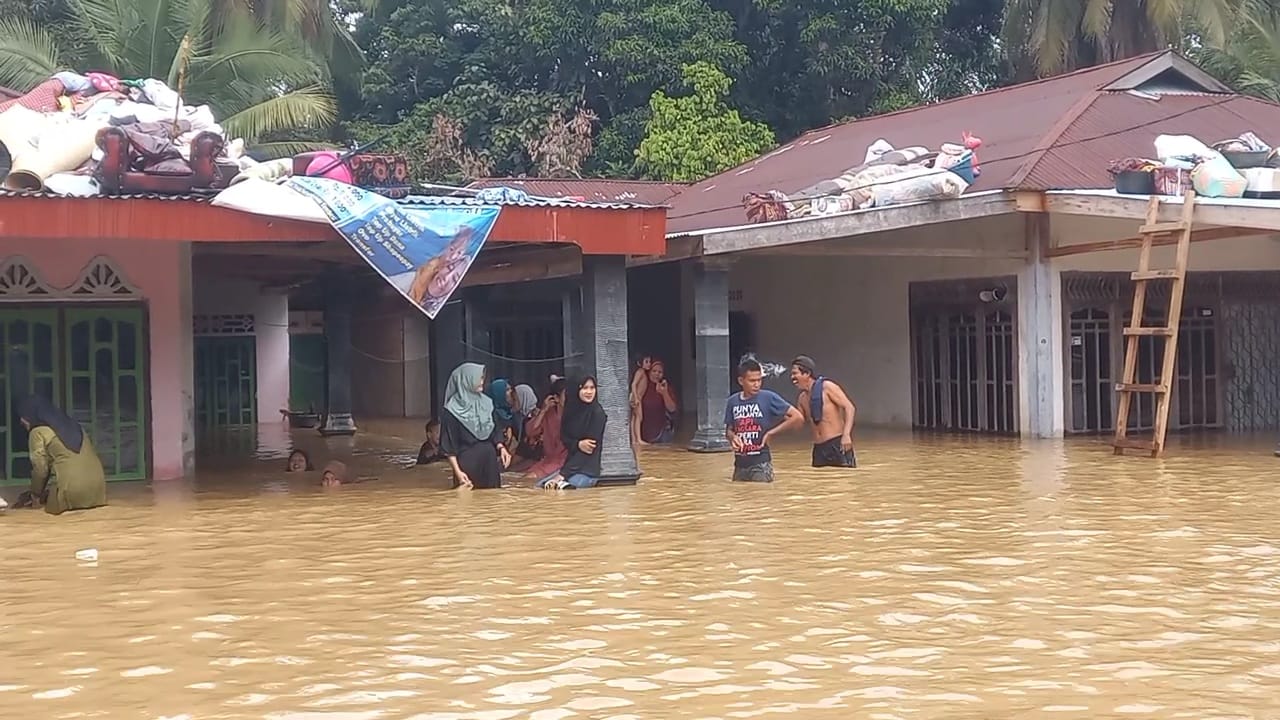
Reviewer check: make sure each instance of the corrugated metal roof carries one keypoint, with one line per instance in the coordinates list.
(1012, 122)
(1119, 125)
(643, 192)
(138, 196)
(450, 200)
(411, 200)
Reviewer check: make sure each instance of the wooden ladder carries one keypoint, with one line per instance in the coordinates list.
(1163, 385)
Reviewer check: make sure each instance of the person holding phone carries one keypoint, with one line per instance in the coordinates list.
(544, 428)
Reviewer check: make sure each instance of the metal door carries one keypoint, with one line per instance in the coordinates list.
(226, 381)
(29, 364)
(106, 384)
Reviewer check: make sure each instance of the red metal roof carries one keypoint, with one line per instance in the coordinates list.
(641, 192)
(1014, 123)
(1118, 124)
(597, 230)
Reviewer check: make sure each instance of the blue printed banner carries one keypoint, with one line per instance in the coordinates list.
(424, 251)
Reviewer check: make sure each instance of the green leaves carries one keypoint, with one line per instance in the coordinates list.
(260, 79)
(28, 55)
(693, 136)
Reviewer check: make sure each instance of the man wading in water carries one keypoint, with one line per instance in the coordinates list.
(751, 417)
(832, 431)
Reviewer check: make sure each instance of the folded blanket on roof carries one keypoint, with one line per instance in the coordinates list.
(43, 98)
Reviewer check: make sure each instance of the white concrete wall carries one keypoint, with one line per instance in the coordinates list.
(270, 310)
(851, 313)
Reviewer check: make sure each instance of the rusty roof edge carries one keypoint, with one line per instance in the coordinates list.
(1050, 139)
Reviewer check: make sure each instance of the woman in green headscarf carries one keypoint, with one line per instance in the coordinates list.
(470, 436)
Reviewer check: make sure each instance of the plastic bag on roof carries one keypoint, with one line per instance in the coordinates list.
(1215, 177)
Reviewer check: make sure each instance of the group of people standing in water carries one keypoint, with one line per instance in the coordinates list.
(488, 426)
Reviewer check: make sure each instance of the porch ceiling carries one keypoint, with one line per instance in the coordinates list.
(291, 264)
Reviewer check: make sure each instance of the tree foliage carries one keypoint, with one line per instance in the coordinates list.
(259, 81)
(692, 136)
(1047, 37)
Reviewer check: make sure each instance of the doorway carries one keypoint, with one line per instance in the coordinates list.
(226, 381)
(90, 361)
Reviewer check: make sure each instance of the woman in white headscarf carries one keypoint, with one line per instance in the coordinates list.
(470, 436)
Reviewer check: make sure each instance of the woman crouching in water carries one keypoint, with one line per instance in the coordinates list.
(582, 432)
(66, 473)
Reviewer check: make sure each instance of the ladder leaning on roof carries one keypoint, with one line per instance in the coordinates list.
(1162, 386)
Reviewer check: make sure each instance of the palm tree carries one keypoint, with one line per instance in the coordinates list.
(1047, 37)
(259, 81)
(1250, 59)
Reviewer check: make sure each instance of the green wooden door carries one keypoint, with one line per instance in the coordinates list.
(29, 364)
(226, 381)
(106, 385)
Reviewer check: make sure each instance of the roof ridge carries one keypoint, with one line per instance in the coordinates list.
(1051, 138)
(1004, 88)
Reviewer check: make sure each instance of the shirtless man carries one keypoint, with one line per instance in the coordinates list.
(829, 413)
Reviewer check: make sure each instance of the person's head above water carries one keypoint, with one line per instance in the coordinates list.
(503, 397)
(750, 377)
(433, 431)
(335, 473)
(803, 372)
(298, 461)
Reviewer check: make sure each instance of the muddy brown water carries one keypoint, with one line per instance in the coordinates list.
(945, 578)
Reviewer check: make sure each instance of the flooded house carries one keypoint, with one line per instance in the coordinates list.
(162, 322)
(1003, 310)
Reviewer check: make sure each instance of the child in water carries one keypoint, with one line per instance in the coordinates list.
(335, 474)
(430, 451)
(298, 461)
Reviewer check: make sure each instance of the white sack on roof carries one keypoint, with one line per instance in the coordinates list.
(266, 198)
(916, 184)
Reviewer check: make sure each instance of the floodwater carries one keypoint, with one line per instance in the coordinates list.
(945, 578)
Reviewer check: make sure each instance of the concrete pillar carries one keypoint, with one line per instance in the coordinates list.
(417, 364)
(271, 331)
(1041, 401)
(710, 353)
(187, 359)
(574, 332)
(337, 337)
(448, 348)
(604, 352)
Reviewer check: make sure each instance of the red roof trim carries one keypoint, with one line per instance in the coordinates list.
(598, 231)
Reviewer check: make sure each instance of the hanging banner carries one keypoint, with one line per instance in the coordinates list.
(424, 251)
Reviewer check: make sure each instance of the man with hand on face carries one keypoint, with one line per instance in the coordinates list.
(751, 418)
(830, 413)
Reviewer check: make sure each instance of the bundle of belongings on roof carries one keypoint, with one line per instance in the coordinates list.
(94, 134)
(81, 134)
(1243, 166)
(887, 176)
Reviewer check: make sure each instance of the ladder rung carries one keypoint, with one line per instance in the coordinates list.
(1146, 331)
(1132, 444)
(1141, 387)
(1162, 227)
(1155, 274)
